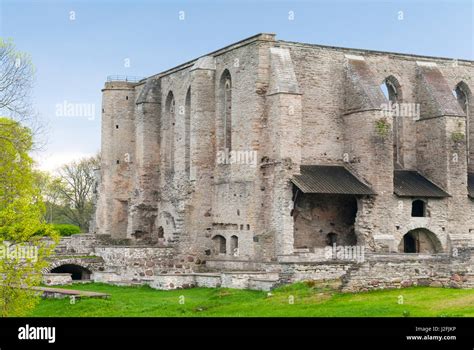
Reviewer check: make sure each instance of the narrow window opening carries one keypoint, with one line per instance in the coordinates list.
(461, 96)
(187, 135)
(331, 238)
(234, 245)
(418, 208)
(225, 118)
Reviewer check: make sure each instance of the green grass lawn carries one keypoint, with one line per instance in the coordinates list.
(307, 301)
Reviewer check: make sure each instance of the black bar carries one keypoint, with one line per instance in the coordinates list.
(368, 332)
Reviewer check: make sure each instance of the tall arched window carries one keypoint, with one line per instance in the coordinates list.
(226, 102)
(462, 92)
(169, 139)
(234, 245)
(187, 134)
(391, 89)
(464, 97)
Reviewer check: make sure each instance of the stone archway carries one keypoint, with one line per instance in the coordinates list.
(81, 268)
(78, 272)
(420, 240)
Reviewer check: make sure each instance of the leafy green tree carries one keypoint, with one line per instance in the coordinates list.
(25, 239)
(50, 187)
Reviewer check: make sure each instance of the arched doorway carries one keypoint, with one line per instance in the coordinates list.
(420, 241)
(219, 244)
(409, 244)
(78, 273)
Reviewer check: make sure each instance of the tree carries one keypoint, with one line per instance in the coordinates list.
(16, 80)
(50, 188)
(76, 187)
(25, 239)
(17, 75)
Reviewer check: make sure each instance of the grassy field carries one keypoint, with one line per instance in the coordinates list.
(294, 300)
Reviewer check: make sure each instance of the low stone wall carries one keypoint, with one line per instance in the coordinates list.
(262, 284)
(237, 280)
(161, 269)
(296, 272)
(81, 244)
(168, 282)
(133, 263)
(304, 255)
(208, 280)
(57, 279)
(240, 265)
(402, 270)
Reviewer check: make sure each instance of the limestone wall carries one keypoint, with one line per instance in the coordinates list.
(166, 185)
(133, 263)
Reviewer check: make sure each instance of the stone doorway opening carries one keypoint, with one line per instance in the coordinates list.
(78, 273)
(220, 244)
(420, 241)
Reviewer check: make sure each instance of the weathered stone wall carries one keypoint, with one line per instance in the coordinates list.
(117, 158)
(426, 145)
(317, 216)
(143, 206)
(57, 279)
(134, 263)
(400, 270)
(82, 244)
(296, 272)
(291, 104)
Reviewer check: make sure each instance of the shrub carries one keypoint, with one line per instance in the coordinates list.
(382, 127)
(66, 229)
(457, 136)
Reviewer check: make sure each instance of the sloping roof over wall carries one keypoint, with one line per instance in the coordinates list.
(436, 97)
(362, 91)
(283, 77)
(329, 179)
(410, 183)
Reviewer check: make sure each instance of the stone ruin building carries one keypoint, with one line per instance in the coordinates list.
(268, 162)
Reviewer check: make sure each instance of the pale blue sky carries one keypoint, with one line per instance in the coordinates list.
(74, 57)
